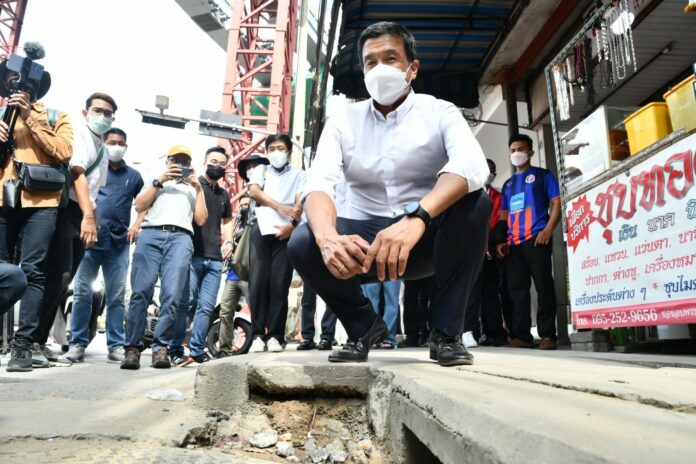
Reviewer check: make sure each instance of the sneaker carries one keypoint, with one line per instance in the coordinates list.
(178, 359)
(201, 358)
(55, 357)
(76, 354)
(324, 345)
(307, 344)
(468, 340)
(20, 360)
(131, 360)
(274, 346)
(160, 359)
(116, 356)
(38, 361)
(257, 346)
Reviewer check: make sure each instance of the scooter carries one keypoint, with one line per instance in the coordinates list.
(60, 331)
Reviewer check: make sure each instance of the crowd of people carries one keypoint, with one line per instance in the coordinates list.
(399, 196)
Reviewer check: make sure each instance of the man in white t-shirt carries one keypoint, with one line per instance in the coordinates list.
(76, 226)
(173, 201)
(277, 190)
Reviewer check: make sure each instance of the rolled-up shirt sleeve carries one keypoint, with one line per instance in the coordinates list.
(327, 168)
(465, 155)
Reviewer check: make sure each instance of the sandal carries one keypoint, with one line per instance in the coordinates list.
(384, 346)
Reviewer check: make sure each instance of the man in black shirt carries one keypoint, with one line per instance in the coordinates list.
(207, 254)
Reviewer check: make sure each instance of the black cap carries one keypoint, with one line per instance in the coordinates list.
(244, 164)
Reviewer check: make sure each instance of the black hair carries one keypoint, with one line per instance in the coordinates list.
(115, 131)
(217, 149)
(490, 161)
(389, 28)
(101, 96)
(285, 138)
(521, 138)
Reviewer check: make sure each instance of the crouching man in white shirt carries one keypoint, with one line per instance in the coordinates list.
(413, 207)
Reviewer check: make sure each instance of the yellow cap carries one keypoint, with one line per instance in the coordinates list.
(179, 149)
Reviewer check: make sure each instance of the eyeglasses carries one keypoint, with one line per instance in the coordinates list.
(102, 112)
(217, 163)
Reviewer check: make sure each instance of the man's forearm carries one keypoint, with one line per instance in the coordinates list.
(321, 214)
(82, 194)
(200, 211)
(261, 198)
(448, 190)
(555, 216)
(145, 199)
(227, 230)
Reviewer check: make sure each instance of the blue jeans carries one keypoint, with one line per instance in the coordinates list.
(114, 264)
(208, 277)
(166, 255)
(36, 226)
(189, 295)
(391, 304)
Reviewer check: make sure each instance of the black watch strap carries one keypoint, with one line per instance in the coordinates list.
(157, 184)
(421, 214)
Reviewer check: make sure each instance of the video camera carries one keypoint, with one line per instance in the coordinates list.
(29, 77)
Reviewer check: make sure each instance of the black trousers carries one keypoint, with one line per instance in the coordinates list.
(417, 297)
(36, 226)
(527, 262)
(309, 309)
(451, 248)
(484, 309)
(63, 259)
(270, 274)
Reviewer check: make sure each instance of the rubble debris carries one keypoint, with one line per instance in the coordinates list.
(284, 449)
(265, 439)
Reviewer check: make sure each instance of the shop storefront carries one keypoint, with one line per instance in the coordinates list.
(623, 115)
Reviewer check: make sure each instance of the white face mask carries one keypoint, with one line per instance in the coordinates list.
(115, 152)
(386, 84)
(278, 159)
(98, 124)
(519, 158)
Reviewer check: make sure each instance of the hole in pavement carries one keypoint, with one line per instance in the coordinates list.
(315, 426)
(415, 450)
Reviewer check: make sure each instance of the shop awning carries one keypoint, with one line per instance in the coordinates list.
(455, 38)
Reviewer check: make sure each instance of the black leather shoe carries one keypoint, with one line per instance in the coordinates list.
(324, 345)
(449, 351)
(356, 351)
(307, 344)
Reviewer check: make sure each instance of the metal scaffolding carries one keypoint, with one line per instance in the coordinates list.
(258, 77)
(11, 19)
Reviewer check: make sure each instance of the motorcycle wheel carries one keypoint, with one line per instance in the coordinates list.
(242, 338)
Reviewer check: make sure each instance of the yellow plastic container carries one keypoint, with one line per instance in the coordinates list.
(682, 105)
(647, 125)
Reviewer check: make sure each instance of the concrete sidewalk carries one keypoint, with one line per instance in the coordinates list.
(511, 406)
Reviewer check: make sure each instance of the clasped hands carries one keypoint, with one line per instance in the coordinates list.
(346, 256)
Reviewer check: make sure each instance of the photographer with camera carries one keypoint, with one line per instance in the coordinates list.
(76, 226)
(173, 201)
(35, 143)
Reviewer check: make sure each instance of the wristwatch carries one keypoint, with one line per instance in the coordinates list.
(416, 210)
(157, 184)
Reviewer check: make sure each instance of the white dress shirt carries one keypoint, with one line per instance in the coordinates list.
(393, 161)
(86, 148)
(282, 187)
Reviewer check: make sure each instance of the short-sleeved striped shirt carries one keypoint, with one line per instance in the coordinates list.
(526, 196)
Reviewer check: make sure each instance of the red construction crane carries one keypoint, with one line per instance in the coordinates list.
(11, 19)
(258, 78)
